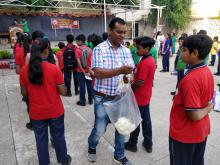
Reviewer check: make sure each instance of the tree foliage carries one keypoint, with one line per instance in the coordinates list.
(176, 14)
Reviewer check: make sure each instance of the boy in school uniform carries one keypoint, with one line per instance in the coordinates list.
(83, 54)
(189, 119)
(142, 87)
(59, 55)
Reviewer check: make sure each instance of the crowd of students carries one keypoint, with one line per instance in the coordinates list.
(92, 63)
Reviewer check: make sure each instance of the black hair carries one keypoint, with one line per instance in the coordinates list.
(158, 33)
(35, 73)
(19, 38)
(61, 45)
(135, 40)
(37, 34)
(145, 42)
(96, 40)
(203, 32)
(216, 38)
(50, 57)
(70, 38)
(26, 43)
(81, 37)
(104, 36)
(181, 38)
(201, 43)
(184, 35)
(116, 20)
(170, 38)
(128, 43)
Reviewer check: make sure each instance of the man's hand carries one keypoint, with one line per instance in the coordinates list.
(126, 69)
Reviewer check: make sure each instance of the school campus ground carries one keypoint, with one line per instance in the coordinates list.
(17, 143)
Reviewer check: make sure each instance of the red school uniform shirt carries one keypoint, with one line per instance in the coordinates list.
(19, 55)
(145, 72)
(79, 55)
(59, 56)
(195, 90)
(44, 100)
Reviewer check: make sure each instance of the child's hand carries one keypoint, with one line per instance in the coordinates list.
(125, 79)
(210, 107)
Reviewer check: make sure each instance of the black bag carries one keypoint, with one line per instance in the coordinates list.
(69, 59)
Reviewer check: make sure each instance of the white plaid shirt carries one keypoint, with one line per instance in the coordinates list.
(104, 56)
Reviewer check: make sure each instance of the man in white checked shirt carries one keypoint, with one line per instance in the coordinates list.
(110, 60)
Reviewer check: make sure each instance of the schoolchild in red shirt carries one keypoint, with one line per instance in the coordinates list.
(43, 82)
(21, 50)
(68, 72)
(189, 119)
(83, 71)
(142, 87)
(19, 53)
(59, 55)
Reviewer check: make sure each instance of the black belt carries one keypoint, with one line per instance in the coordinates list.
(104, 95)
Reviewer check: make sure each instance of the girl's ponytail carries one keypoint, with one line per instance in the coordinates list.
(35, 73)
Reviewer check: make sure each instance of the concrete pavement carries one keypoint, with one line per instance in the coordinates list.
(17, 144)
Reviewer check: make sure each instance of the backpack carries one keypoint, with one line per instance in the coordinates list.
(85, 54)
(69, 59)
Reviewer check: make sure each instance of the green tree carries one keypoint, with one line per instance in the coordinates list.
(176, 14)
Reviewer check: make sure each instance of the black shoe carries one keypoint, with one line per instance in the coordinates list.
(69, 94)
(92, 155)
(123, 161)
(162, 70)
(148, 149)
(173, 93)
(211, 65)
(91, 102)
(167, 70)
(76, 93)
(80, 103)
(130, 147)
(69, 159)
(29, 126)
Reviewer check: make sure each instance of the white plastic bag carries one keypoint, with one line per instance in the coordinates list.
(123, 111)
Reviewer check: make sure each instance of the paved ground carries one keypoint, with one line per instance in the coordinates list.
(17, 144)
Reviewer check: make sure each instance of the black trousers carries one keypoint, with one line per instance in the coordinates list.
(146, 127)
(166, 62)
(67, 80)
(186, 153)
(213, 57)
(218, 68)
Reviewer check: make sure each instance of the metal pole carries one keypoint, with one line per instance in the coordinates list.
(132, 25)
(158, 18)
(105, 16)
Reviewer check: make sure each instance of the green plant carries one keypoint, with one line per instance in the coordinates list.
(4, 54)
(176, 13)
(55, 50)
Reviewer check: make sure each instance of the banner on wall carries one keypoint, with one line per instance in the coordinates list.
(63, 23)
